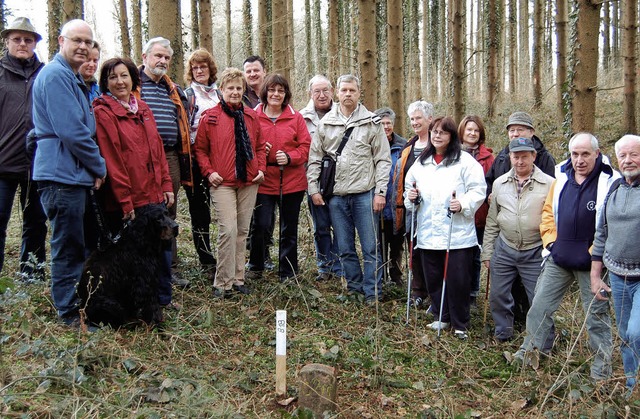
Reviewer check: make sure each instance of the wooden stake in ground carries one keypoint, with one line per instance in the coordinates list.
(281, 352)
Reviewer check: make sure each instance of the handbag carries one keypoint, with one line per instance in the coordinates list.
(327, 178)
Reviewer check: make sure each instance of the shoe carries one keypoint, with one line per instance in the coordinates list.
(219, 293)
(323, 276)
(241, 289)
(269, 265)
(180, 282)
(438, 325)
(209, 272)
(253, 275)
(371, 301)
(417, 301)
(460, 334)
(172, 306)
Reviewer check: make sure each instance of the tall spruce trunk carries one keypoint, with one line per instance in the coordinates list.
(136, 31)
(165, 20)
(367, 53)
(264, 29)
(538, 34)
(562, 20)
(332, 42)
(124, 28)
(395, 92)
(457, 47)
(629, 64)
(279, 38)
(247, 28)
(206, 28)
(492, 41)
(195, 26)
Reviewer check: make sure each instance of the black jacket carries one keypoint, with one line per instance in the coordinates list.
(502, 163)
(16, 81)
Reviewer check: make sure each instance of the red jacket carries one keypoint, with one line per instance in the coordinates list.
(485, 158)
(137, 170)
(216, 146)
(288, 133)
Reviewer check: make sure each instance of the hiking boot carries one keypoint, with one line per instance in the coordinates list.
(219, 293)
(179, 282)
(437, 325)
(253, 275)
(241, 289)
(417, 301)
(461, 334)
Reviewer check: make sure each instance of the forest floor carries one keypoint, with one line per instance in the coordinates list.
(217, 358)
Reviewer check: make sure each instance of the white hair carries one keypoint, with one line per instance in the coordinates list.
(157, 40)
(592, 139)
(425, 107)
(317, 79)
(626, 139)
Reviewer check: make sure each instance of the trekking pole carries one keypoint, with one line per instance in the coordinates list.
(416, 203)
(446, 265)
(486, 301)
(384, 249)
(280, 261)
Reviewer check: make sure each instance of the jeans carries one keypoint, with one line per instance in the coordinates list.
(626, 304)
(324, 241)
(350, 213)
(34, 223)
(65, 207)
(553, 283)
(263, 216)
(199, 199)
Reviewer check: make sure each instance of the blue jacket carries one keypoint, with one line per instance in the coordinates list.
(395, 147)
(65, 127)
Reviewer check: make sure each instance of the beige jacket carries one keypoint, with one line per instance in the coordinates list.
(516, 219)
(365, 161)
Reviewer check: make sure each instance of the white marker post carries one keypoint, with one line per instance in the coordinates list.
(281, 352)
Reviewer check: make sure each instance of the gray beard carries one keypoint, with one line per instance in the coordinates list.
(156, 71)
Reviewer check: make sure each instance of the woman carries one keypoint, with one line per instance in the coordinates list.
(287, 145)
(137, 170)
(202, 94)
(231, 155)
(420, 114)
(88, 71)
(472, 134)
(451, 186)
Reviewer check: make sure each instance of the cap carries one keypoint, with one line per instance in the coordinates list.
(21, 24)
(521, 144)
(520, 118)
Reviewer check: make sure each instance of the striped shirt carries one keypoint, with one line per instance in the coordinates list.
(156, 95)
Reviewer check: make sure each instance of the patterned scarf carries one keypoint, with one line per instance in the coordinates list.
(131, 107)
(244, 152)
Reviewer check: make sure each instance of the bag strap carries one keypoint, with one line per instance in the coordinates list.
(345, 138)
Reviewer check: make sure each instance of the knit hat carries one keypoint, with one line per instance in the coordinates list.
(21, 24)
(520, 118)
(521, 144)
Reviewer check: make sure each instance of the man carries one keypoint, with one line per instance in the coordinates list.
(18, 70)
(254, 73)
(512, 243)
(67, 161)
(168, 104)
(88, 72)
(519, 125)
(617, 249)
(392, 241)
(567, 228)
(321, 102)
(362, 173)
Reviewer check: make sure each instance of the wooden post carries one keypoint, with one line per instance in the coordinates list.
(281, 352)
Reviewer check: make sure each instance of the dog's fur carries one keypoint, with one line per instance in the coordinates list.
(120, 284)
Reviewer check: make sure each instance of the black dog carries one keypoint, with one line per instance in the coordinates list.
(119, 285)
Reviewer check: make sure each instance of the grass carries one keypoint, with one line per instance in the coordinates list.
(217, 359)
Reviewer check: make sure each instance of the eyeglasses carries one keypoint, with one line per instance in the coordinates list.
(80, 41)
(197, 68)
(518, 131)
(18, 40)
(438, 133)
(320, 92)
(272, 90)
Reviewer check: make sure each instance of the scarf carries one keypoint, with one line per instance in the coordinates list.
(474, 150)
(244, 152)
(131, 107)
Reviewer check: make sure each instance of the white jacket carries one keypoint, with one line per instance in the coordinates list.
(435, 184)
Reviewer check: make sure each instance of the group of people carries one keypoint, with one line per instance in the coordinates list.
(235, 141)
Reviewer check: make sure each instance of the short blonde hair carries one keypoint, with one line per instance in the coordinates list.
(230, 74)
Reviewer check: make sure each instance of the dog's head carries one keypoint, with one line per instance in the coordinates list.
(155, 220)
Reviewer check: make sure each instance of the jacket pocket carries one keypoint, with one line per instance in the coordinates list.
(572, 254)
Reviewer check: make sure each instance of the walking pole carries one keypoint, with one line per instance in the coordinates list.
(280, 261)
(446, 265)
(486, 301)
(384, 249)
(412, 229)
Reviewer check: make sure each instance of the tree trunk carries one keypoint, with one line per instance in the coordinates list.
(606, 35)
(426, 86)
(502, 54)
(615, 35)
(3, 16)
(629, 64)
(524, 69)
(308, 28)
(332, 44)
(458, 47)
(538, 33)
(53, 25)
(395, 92)
(367, 53)
(585, 67)
(562, 19)
(165, 20)
(264, 24)
(513, 46)
(136, 31)
(227, 12)
(443, 73)
(319, 41)
(124, 28)
(247, 22)
(72, 9)
(414, 48)
(195, 26)
(278, 43)
(492, 41)
(289, 44)
(206, 26)
(381, 46)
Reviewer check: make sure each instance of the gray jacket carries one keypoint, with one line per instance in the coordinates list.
(365, 161)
